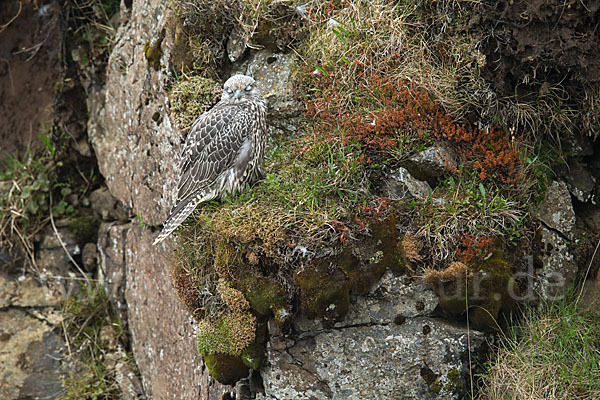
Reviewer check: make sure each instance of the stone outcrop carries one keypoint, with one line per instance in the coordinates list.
(136, 144)
(389, 342)
(388, 346)
(138, 280)
(558, 271)
(30, 340)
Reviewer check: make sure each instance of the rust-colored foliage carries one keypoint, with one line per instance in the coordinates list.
(379, 112)
(373, 210)
(473, 246)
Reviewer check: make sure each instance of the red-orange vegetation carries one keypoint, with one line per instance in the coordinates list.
(379, 112)
(473, 246)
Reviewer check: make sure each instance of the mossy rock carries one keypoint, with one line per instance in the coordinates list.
(191, 97)
(324, 290)
(254, 355)
(230, 333)
(362, 277)
(387, 233)
(265, 295)
(153, 52)
(225, 368)
(490, 291)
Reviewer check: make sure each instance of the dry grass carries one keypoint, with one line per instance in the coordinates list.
(466, 207)
(392, 38)
(456, 270)
(24, 202)
(554, 354)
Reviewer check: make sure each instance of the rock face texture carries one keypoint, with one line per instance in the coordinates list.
(135, 144)
(558, 272)
(135, 150)
(388, 346)
(138, 281)
(30, 347)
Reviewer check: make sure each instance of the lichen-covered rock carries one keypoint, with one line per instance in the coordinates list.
(107, 207)
(433, 162)
(30, 345)
(272, 73)
(30, 357)
(89, 256)
(134, 150)
(421, 358)
(162, 332)
(580, 182)
(386, 347)
(556, 211)
(401, 184)
(558, 271)
(25, 291)
(51, 258)
(111, 265)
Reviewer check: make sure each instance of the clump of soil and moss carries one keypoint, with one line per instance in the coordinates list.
(190, 97)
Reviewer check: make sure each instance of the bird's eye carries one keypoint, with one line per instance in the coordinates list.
(249, 87)
(229, 91)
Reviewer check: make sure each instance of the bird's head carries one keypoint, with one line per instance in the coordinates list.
(240, 88)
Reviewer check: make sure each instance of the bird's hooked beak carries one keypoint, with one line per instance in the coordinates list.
(238, 94)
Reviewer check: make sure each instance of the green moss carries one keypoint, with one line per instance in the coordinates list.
(253, 355)
(153, 52)
(264, 294)
(453, 375)
(431, 378)
(324, 291)
(454, 381)
(230, 333)
(191, 97)
(225, 368)
(496, 285)
(490, 290)
(436, 387)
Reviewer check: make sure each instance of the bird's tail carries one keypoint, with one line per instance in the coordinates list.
(178, 214)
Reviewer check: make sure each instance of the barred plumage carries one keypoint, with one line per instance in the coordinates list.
(223, 151)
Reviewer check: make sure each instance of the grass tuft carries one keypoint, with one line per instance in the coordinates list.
(553, 354)
(91, 334)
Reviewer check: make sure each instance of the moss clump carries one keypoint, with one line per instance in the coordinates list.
(487, 284)
(153, 52)
(325, 291)
(199, 30)
(454, 380)
(431, 378)
(191, 97)
(266, 296)
(225, 368)
(498, 288)
(361, 276)
(232, 332)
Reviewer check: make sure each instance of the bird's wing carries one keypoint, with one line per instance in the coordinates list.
(211, 147)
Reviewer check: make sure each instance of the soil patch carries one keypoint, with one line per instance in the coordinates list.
(538, 42)
(29, 71)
